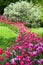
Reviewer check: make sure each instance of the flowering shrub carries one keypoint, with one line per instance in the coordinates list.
(18, 11)
(28, 50)
(25, 12)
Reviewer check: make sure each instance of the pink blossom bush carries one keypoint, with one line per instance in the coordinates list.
(27, 50)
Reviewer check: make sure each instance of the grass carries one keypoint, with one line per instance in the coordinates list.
(5, 32)
(8, 33)
(39, 31)
(13, 28)
(6, 36)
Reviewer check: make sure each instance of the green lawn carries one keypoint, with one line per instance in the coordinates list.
(8, 33)
(6, 36)
(5, 32)
(38, 30)
(13, 28)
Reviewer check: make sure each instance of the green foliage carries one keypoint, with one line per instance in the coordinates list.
(41, 18)
(39, 2)
(5, 42)
(39, 31)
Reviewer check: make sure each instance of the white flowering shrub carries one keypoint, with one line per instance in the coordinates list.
(22, 11)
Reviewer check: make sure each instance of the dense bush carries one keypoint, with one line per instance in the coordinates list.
(28, 50)
(24, 11)
(19, 10)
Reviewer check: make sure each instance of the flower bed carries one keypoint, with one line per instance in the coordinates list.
(27, 50)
